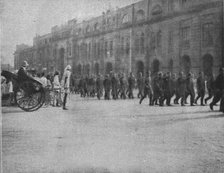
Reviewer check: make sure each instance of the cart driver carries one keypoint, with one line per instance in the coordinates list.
(22, 73)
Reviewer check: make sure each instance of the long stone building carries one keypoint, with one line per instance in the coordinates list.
(166, 35)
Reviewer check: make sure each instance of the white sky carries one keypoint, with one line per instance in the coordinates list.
(21, 20)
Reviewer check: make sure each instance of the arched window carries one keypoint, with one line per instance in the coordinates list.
(140, 15)
(126, 19)
(88, 29)
(142, 43)
(96, 27)
(157, 10)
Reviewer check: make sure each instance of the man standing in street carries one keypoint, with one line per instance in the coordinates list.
(65, 84)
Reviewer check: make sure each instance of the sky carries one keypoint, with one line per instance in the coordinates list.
(21, 20)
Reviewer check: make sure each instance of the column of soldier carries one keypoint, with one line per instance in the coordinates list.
(160, 88)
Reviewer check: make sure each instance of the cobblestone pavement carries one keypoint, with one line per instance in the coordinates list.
(113, 136)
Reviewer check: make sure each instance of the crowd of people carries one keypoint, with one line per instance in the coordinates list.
(160, 88)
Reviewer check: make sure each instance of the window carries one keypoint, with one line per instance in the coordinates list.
(126, 19)
(88, 29)
(111, 48)
(142, 43)
(122, 45)
(207, 34)
(127, 47)
(185, 36)
(98, 49)
(159, 39)
(94, 50)
(137, 44)
(105, 48)
(69, 49)
(96, 27)
(89, 51)
(157, 10)
(140, 15)
(170, 5)
(170, 42)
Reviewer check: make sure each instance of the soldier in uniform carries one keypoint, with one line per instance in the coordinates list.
(122, 86)
(131, 86)
(219, 82)
(147, 89)
(157, 88)
(222, 89)
(181, 87)
(190, 88)
(210, 87)
(107, 87)
(200, 88)
(114, 83)
(140, 85)
(99, 86)
(167, 85)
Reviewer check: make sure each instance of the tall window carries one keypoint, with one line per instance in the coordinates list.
(159, 39)
(94, 50)
(89, 51)
(105, 48)
(111, 48)
(170, 5)
(207, 34)
(98, 49)
(122, 45)
(137, 44)
(170, 41)
(142, 43)
(127, 47)
(69, 49)
(186, 36)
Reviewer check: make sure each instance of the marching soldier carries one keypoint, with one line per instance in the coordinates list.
(147, 89)
(210, 87)
(167, 89)
(219, 85)
(122, 86)
(156, 88)
(131, 86)
(107, 87)
(114, 83)
(140, 85)
(181, 87)
(201, 88)
(190, 88)
(99, 86)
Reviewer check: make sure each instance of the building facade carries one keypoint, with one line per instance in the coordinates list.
(155, 35)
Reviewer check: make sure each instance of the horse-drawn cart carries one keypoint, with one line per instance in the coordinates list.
(29, 94)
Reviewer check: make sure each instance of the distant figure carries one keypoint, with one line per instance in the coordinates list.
(56, 88)
(65, 84)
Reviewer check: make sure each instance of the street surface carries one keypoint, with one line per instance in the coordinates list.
(113, 136)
